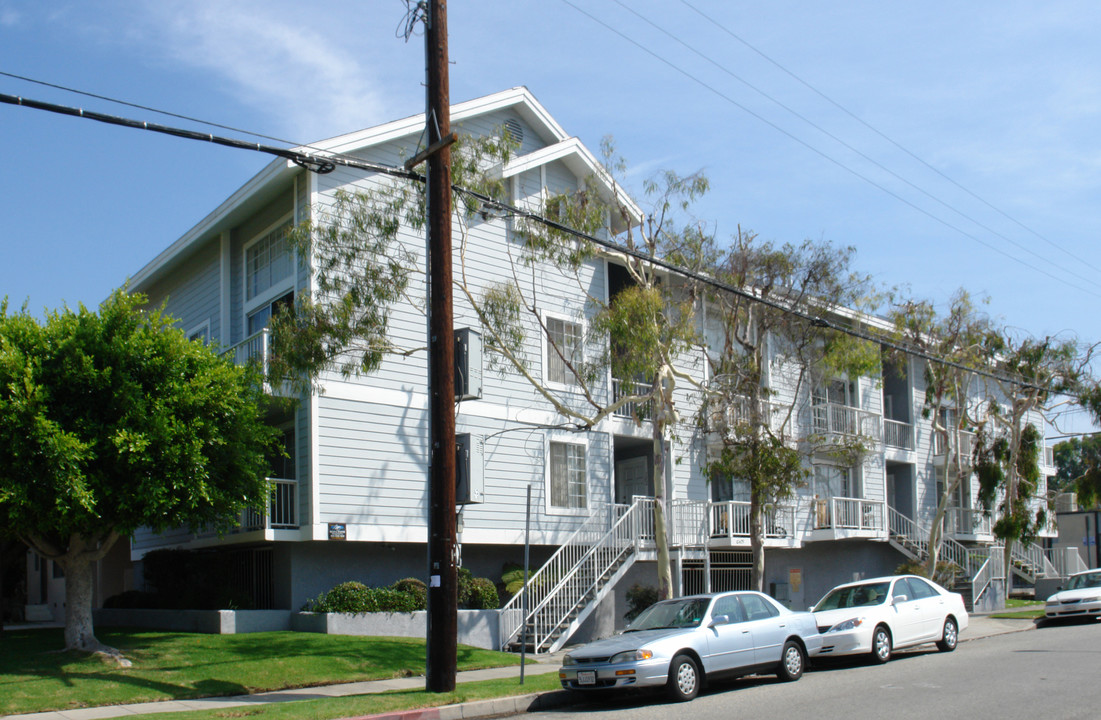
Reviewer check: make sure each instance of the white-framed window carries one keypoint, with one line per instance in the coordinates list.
(260, 318)
(835, 481)
(562, 349)
(269, 261)
(566, 476)
(200, 333)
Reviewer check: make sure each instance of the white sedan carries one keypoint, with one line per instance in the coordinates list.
(881, 615)
(1081, 598)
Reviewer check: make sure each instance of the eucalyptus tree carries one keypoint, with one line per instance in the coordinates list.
(772, 338)
(964, 338)
(111, 421)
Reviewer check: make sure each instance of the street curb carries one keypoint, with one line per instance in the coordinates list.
(494, 707)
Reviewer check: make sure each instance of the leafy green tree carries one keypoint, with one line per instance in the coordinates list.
(111, 421)
(764, 331)
(1078, 461)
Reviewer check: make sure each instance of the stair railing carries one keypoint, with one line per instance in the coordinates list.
(1033, 560)
(560, 587)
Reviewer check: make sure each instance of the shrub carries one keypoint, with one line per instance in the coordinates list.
(945, 573)
(482, 595)
(354, 597)
(416, 589)
(131, 599)
(639, 597)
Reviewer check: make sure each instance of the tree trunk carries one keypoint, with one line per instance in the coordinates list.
(661, 538)
(79, 588)
(756, 543)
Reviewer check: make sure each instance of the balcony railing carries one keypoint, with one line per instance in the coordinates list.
(255, 347)
(282, 512)
(841, 513)
(967, 442)
(898, 434)
(967, 521)
(733, 411)
(634, 410)
(835, 419)
(730, 520)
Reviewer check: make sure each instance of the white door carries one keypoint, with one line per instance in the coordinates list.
(632, 478)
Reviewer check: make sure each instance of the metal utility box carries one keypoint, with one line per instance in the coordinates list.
(469, 482)
(468, 364)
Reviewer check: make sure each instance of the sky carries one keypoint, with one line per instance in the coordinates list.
(953, 145)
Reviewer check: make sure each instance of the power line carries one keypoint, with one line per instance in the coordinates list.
(819, 152)
(325, 164)
(883, 135)
(852, 148)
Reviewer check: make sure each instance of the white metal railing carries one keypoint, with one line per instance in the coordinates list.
(1032, 560)
(849, 514)
(967, 441)
(736, 410)
(967, 521)
(906, 529)
(988, 569)
(836, 419)
(730, 519)
(634, 409)
(1066, 561)
(282, 509)
(689, 522)
(255, 347)
(898, 434)
(560, 588)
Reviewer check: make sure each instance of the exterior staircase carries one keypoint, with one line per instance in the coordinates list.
(1031, 562)
(562, 594)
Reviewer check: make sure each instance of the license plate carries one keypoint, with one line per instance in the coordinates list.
(586, 677)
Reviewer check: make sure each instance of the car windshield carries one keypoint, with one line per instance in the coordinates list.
(1085, 580)
(685, 612)
(854, 596)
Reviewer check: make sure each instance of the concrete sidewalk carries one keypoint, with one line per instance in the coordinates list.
(980, 626)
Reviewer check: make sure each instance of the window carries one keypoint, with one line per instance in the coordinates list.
(567, 476)
(757, 609)
(563, 350)
(260, 318)
(201, 334)
(283, 467)
(730, 607)
(834, 481)
(268, 261)
(921, 589)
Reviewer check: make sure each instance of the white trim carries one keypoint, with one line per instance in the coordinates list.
(565, 438)
(250, 305)
(544, 350)
(204, 325)
(225, 334)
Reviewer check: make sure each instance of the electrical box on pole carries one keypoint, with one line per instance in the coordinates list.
(468, 364)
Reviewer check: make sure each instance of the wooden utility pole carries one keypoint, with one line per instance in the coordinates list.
(443, 583)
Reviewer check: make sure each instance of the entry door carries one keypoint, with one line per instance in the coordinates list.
(632, 478)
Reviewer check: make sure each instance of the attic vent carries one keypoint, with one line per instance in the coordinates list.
(515, 130)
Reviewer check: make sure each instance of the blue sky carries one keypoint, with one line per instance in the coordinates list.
(952, 144)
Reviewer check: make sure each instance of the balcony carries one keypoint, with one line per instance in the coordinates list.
(282, 512)
(633, 410)
(968, 524)
(898, 434)
(254, 348)
(966, 444)
(735, 411)
(725, 524)
(837, 518)
(843, 420)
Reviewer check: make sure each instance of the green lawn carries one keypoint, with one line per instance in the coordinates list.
(1019, 614)
(36, 676)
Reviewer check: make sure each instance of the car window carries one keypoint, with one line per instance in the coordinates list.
(921, 589)
(730, 607)
(902, 587)
(854, 596)
(683, 612)
(756, 608)
(1086, 580)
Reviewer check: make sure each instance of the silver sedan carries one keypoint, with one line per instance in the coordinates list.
(681, 643)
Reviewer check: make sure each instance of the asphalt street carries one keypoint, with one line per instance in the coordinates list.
(1050, 673)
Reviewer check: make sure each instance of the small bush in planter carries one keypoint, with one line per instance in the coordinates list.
(481, 595)
(354, 597)
(415, 588)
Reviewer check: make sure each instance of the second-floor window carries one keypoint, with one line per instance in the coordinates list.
(268, 262)
(567, 476)
(563, 350)
(834, 481)
(260, 318)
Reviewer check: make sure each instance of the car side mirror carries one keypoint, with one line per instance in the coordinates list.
(810, 608)
(1059, 588)
(719, 620)
(899, 599)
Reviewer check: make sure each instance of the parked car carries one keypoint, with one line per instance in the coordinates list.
(1080, 598)
(682, 643)
(881, 615)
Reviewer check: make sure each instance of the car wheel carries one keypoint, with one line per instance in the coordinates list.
(792, 662)
(684, 678)
(950, 637)
(881, 644)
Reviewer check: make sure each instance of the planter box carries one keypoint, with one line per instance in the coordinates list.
(215, 622)
(479, 628)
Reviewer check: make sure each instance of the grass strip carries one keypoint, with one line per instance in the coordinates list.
(36, 676)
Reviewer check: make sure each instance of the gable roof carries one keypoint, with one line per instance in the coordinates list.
(276, 175)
